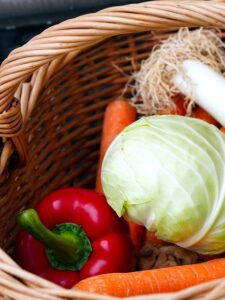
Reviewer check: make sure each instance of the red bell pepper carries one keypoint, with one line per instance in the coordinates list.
(73, 234)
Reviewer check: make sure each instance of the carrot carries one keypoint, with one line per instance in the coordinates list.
(163, 280)
(222, 129)
(200, 113)
(137, 234)
(179, 109)
(118, 115)
(180, 105)
(151, 238)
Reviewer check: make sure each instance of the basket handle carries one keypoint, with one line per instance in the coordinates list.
(27, 69)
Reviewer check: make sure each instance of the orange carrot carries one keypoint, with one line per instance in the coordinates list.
(163, 280)
(200, 113)
(180, 105)
(118, 115)
(179, 109)
(137, 233)
(222, 129)
(150, 237)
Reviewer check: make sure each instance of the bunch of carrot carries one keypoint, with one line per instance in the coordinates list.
(118, 115)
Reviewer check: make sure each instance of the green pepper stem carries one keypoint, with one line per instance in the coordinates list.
(67, 247)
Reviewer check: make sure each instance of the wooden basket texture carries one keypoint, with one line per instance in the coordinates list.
(53, 92)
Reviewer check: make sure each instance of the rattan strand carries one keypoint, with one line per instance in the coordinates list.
(61, 81)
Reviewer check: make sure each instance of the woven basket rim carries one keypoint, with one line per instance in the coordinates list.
(26, 71)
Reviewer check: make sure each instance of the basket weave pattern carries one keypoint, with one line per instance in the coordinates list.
(53, 92)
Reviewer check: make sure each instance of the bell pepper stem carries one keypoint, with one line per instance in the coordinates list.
(67, 245)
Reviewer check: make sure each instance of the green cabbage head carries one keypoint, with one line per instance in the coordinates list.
(168, 174)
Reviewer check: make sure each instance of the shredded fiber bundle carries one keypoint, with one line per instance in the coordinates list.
(153, 90)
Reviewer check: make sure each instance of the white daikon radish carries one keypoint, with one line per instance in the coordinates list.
(201, 83)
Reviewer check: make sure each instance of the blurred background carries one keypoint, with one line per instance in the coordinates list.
(20, 20)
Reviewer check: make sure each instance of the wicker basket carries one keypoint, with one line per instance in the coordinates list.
(53, 92)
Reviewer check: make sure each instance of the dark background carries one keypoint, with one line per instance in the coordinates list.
(20, 20)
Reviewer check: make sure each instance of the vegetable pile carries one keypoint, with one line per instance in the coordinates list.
(159, 200)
